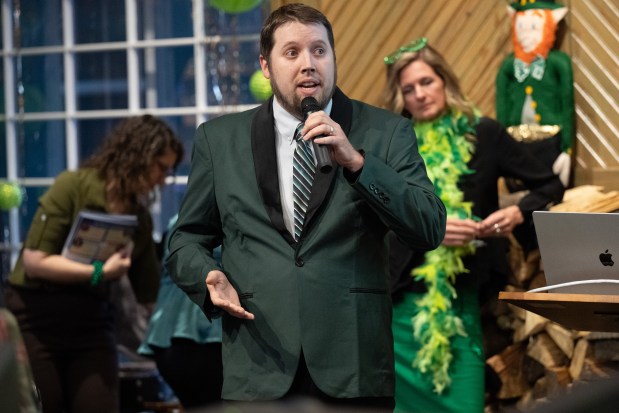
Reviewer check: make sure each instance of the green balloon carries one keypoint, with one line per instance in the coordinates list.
(234, 6)
(260, 86)
(11, 195)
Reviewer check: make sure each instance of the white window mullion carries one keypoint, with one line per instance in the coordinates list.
(150, 83)
(133, 66)
(70, 91)
(199, 33)
(150, 55)
(9, 90)
(10, 124)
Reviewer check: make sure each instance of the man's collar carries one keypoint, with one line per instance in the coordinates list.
(280, 113)
(285, 121)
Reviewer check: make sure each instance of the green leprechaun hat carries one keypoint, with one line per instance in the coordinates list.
(521, 5)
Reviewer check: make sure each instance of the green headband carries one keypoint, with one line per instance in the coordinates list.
(414, 46)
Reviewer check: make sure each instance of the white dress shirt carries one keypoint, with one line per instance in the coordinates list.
(285, 126)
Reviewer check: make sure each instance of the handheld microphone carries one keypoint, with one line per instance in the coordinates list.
(309, 105)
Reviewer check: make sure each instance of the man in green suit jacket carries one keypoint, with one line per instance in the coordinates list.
(310, 315)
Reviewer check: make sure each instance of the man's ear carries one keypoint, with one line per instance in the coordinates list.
(264, 65)
(559, 14)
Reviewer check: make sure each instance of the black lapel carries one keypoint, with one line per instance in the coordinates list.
(265, 164)
(341, 112)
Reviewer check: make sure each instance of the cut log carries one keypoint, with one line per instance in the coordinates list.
(533, 324)
(532, 369)
(543, 349)
(523, 268)
(507, 365)
(518, 312)
(562, 337)
(588, 198)
(581, 351)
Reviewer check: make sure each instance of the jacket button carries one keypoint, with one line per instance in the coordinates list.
(299, 262)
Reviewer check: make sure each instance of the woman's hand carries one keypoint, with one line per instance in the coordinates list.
(460, 232)
(501, 223)
(117, 265)
(57, 268)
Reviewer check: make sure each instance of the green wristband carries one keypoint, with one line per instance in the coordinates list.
(97, 273)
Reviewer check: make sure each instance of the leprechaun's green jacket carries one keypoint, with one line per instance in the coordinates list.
(327, 295)
(553, 95)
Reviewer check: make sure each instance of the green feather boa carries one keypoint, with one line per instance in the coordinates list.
(446, 151)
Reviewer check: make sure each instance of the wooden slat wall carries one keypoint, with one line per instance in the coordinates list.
(594, 48)
(475, 36)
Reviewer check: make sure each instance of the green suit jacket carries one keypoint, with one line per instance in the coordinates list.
(326, 295)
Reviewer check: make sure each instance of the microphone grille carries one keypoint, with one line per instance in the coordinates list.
(309, 105)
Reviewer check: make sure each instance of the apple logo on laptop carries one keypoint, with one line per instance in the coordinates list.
(606, 259)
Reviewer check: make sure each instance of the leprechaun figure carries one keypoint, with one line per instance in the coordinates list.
(534, 86)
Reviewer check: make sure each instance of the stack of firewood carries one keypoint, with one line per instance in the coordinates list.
(544, 360)
(588, 198)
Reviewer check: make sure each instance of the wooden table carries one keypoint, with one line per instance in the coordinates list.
(585, 312)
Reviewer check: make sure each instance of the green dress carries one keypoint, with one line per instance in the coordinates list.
(414, 392)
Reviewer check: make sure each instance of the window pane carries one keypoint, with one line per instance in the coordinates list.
(40, 23)
(184, 127)
(3, 159)
(168, 77)
(90, 134)
(101, 80)
(171, 197)
(230, 64)
(161, 19)
(42, 151)
(99, 21)
(42, 78)
(29, 207)
(2, 108)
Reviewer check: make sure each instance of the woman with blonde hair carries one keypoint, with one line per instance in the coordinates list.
(64, 307)
(436, 321)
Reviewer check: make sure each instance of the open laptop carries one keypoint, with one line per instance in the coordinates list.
(579, 250)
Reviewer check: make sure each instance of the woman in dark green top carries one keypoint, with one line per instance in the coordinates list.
(62, 306)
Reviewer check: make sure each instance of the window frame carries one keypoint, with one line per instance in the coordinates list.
(14, 117)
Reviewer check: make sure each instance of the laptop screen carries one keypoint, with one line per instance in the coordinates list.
(579, 250)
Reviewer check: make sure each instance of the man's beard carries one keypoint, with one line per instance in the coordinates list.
(292, 104)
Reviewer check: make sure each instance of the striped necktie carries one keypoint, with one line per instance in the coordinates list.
(303, 170)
